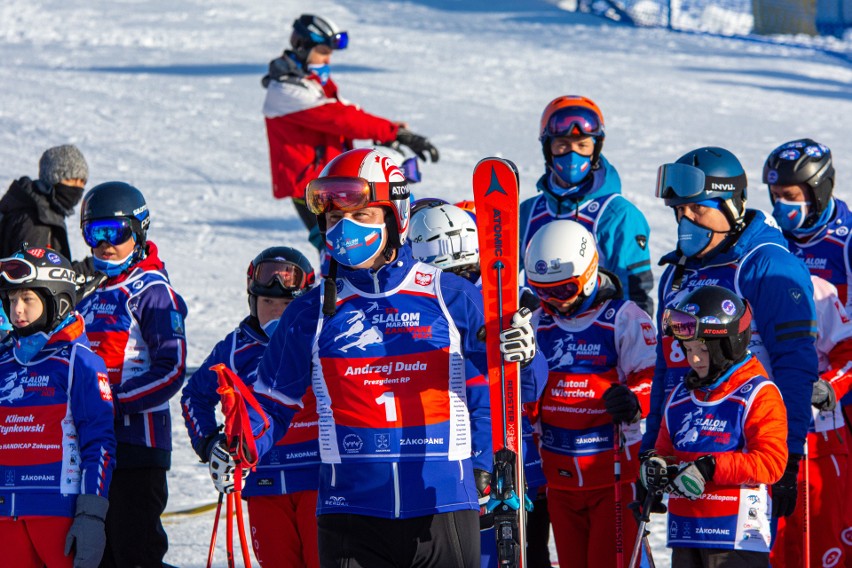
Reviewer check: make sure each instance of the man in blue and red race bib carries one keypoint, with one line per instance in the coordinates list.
(721, 242)
(393, 351)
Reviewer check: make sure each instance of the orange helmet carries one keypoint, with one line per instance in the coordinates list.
(468, 205)
(571, 115)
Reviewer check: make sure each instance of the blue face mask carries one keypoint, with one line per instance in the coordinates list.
(572, 168)
(113, 268)
(323, 71)
(790, 215)
(352, 243)
(692, 238)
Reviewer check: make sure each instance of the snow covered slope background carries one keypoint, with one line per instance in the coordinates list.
(167, 96)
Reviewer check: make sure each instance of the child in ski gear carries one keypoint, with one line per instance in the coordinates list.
(135, 322)
(601, 350)
(827, 446)
(446, 237)
(723, 437)
(282, 492)
(58, 453)
(308, 124)
(386, 345)
(800, 177)
(581, 185)
(721, 242)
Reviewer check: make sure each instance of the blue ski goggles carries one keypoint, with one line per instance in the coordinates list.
(682, 183)
(573, 121)
(337, 41)
(113, 231)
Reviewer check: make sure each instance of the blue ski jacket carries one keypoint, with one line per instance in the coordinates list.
(56, 421)
(777, 285)
(620, 229)
(291, 465)
(400, 382)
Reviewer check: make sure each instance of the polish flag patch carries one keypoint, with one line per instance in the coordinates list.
(422, 279)
(103, 385)
(648, 334)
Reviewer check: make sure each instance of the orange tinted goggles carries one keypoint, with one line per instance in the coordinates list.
(350, 193)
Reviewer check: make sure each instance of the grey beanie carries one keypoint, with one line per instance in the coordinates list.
(62, 162)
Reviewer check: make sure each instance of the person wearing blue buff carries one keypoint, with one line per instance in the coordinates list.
(135, 322)
(723, 243)
(581, 185)
(394, 352)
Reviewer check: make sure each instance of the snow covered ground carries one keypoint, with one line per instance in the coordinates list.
(166, 95)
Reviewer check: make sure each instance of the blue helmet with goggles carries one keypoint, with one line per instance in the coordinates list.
(705, 174)
(114, 212)
(310, 31)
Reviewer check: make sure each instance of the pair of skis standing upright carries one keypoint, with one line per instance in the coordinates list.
(496, 195)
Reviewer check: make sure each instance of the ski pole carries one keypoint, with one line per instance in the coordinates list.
(229, 530)
(643, 516)
(215, 531)
(617, 444)
(806, 513)
(241, 527)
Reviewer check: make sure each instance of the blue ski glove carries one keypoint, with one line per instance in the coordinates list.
(87, 537)
(222, 467)
(691, 479)
(517, 344)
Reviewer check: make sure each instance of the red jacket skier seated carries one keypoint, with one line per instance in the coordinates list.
(722, 440)
(58, 450)
(391, 348)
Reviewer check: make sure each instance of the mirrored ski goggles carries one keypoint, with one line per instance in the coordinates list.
(572, 121)
(350, 193)
(686, 326)
(17, 270)
(562, 291)
(113, 231)
(411, 170)
(688, 182)
(269, 272)
(337, 41)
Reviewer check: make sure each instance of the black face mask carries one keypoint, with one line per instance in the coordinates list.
(67, 197)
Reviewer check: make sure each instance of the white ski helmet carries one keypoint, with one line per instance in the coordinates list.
(444, 236)
(561, 261)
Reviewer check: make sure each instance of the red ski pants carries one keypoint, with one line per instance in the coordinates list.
(33, 542)
(284, 530)
(584, 525)
(827, 500)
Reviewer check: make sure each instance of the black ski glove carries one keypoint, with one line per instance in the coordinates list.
(420, 145)
(622, 404)
(483, 490)
(786, 490)
(823, 396)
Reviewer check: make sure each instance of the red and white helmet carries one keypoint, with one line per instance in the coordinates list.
(362, 178)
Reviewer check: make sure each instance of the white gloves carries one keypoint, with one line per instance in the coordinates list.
(517, 344)
(222, 467)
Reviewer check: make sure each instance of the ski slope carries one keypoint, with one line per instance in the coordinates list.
(167, 96)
